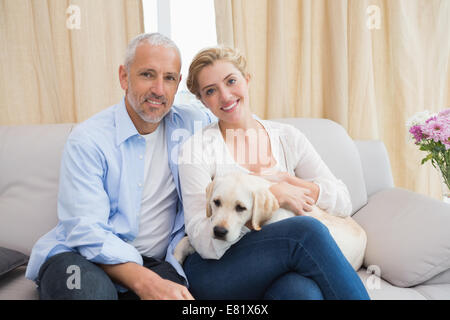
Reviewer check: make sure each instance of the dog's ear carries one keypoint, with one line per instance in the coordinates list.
(264, 204)
(209, 191)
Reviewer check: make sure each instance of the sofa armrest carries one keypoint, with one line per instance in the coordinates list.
(408, 236)
(376, 166)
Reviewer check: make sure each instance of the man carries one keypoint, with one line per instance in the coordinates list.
(120, 215)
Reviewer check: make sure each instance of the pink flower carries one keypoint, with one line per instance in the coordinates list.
(432, 133)
(436, 128)
(447, 145)
(431, 119)
(445, 138)
(444, 113)
(425, 126)
(416, 131)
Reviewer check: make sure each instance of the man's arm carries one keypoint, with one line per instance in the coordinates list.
(84, 207)
(145, 283)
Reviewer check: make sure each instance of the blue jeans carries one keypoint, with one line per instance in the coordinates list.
(295, 258)
(56, 279)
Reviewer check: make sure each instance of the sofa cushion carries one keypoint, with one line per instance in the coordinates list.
(376, 165)
(338, 151)
(30, 160)
(379, 289)
(10, 259)
(408, 236)
(16, 287)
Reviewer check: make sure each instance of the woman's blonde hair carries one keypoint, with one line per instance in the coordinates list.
(207, 57)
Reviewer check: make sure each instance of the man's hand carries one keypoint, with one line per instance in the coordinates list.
(145, 283)
(162, 289)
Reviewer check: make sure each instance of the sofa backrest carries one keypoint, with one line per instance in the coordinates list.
(338, 151)
(30, 159)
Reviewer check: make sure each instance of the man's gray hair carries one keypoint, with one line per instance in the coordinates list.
(154, 39)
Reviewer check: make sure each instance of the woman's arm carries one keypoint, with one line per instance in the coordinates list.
(309, 168)
(293, 193)
(312, 188)
(195, 175)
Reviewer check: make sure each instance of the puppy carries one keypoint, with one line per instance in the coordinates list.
(237, 199)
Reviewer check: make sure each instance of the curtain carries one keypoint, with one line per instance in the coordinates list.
(59, 59)
(367, 64)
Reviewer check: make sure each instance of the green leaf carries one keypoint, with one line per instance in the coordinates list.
(429, 157)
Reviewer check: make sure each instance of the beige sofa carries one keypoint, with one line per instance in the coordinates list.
(408, 250)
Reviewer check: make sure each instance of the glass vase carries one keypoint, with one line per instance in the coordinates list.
(445, 192)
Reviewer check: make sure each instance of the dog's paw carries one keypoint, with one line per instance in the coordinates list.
(182, 250)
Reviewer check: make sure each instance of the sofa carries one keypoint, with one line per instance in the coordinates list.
(408, 239)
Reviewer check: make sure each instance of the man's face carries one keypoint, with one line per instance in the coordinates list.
(151, 83)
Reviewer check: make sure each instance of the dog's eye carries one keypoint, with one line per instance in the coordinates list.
(217, 202)
(240, 208)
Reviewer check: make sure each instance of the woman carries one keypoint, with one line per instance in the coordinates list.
(292, 259)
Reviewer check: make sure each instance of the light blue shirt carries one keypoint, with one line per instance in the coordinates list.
(100, 188)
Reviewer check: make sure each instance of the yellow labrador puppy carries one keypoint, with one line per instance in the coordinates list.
(234, 200)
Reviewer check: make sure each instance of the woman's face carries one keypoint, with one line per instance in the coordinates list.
(224, 90)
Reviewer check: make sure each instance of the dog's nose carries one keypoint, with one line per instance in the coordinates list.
(220, 232)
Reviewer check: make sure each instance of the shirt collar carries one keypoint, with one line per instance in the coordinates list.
(124, 126)
(171, 115)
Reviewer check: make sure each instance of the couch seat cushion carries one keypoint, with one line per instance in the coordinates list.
(408, 236)
(14, 286)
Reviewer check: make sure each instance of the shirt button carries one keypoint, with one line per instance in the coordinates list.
(139, 184)
(141, 156)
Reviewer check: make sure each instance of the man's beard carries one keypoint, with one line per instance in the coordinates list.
(140, 111)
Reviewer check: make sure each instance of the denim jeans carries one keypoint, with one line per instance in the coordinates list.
(57, 279)
(295, 258)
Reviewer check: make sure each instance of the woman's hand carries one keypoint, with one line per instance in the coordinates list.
(293, 198)
(308, 192)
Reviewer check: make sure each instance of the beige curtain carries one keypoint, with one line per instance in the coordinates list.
(51, 71)
(366, 64)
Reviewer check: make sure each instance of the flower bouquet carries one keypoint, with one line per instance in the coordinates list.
(431, 133)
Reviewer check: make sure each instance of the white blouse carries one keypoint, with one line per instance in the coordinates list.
(205, 155)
